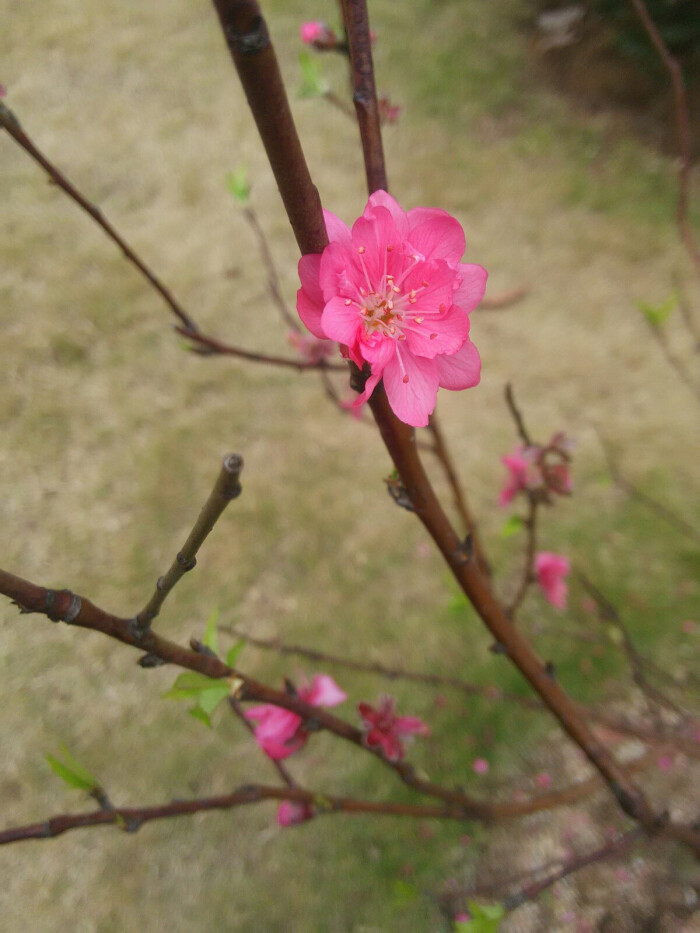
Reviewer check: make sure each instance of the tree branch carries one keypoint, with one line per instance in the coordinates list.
(10, 122)
(227, 487)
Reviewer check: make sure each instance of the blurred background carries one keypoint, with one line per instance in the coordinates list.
(545, 128)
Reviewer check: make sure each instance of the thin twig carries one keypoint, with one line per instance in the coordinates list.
(226, 488)
(442, 453)
(609, 613)
(517, 417)
(213, 347)
(10, 122)
(668, 516)
(682, 128)
(273, 281)
(527, 578)
(659, 735)
(673, 361)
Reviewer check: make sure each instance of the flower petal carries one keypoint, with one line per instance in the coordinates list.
(473, 286)
(411, 725)
(460, 370)
(341, 321)
(338, 232)
(436, 234)
(310, 297)
(383, 199)
(324, 691)
(413, 400)
(443, 334)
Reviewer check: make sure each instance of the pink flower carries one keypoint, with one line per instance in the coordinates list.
(550, 570)
(279, 732)
(383, 728)
(393, 292)
(480, 766)
(543, 780)
(523, 473)
(292, 812)
(317, 31)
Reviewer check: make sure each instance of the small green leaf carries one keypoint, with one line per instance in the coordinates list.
(210, 699)
(512, 526)
(198, 713)
(312, 83)
(72, 772)
(657, 315)
(485, 918)
(234, 653)
(192, 684)
(211, 635)
(237, 183)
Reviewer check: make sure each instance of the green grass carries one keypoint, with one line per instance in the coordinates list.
(113, 437)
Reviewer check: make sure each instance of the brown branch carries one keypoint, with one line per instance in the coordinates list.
(615, 723)
(682, 128)
(10, 122)
(226, 488)
(248, 42)
(131, 819)
(247, 36)
(442, 453)
(364, 92)
(212, 346)
(65, 606)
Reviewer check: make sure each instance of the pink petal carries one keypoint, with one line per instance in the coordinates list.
(382, 199)
(291, 813)
(437, 295)
(451, 330)
(414, 400)
(333, 275)
(480, 766)
(436, 234)
(324, 691)
(460, 370)
(341, 321)
(473, 286)
(338, 232)
(310, 297)
(411, 725)
(373, 233)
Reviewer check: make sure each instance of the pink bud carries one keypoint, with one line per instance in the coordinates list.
(480, 766)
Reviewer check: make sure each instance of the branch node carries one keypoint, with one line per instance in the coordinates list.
(251, 42)
(187, 563)
(149, 660)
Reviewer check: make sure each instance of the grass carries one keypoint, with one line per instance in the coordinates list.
(112, 437)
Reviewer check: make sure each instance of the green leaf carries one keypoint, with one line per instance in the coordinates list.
(485, 918)
(211, 635)
(192, 684)
(312, 83)
(198, 713)
(209, 699)
(234, 653)
(657, 315)
(237, 183)
(72, 772)
(513, 525)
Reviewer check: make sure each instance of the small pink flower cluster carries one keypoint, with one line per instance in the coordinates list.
(538, 471)
(384, 729)
(280, 732)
